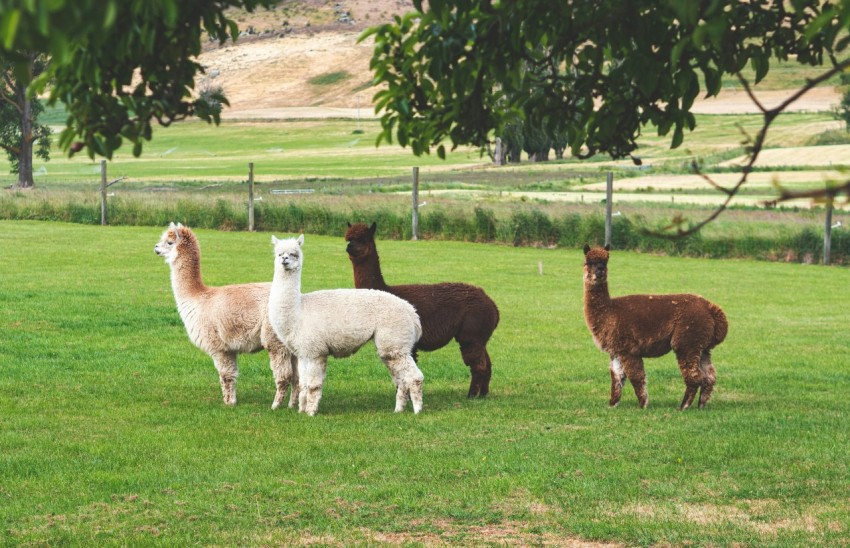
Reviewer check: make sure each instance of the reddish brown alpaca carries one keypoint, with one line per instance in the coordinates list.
(634, 327)
(447, 310)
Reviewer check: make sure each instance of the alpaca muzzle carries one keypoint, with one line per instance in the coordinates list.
(288, 263)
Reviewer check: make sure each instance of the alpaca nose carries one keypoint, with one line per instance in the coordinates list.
(348, 248)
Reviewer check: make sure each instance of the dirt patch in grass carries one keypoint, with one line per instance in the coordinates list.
(508, 533)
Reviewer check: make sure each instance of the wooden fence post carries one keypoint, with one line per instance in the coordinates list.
(415, 203)
(827, 234)
(103, 220)
(251, 197)
(609, 195)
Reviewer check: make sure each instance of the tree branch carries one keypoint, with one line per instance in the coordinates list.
(769, 116)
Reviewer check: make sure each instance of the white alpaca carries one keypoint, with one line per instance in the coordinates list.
(224, 321)
(337, 322)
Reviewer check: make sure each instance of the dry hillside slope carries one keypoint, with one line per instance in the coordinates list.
(302, 59)
(299, 58)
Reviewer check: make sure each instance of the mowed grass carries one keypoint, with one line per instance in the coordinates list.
(316, 152)
(114, 433)
(280, 150)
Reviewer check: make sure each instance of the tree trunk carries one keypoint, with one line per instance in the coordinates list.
(25, 179)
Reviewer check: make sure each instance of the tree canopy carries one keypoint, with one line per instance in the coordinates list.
(599, 73)
(119, 65)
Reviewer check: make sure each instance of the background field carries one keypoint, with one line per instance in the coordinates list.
(113, 431)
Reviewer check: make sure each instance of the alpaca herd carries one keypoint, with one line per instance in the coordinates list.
(301, 330)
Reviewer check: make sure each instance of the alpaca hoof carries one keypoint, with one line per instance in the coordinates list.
(275, 405)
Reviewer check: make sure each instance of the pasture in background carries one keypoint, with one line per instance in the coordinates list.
(114, 431)
(316, 175)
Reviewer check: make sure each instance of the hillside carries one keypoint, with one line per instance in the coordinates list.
(301, 59)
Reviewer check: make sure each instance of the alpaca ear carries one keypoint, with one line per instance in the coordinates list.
(348, 223)
(274, 240)
(373, 228)
(172, 226)
(607, 247)
(586, 249)
(300, 240)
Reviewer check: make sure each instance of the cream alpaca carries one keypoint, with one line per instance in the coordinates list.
(337, 322)
(224, 321)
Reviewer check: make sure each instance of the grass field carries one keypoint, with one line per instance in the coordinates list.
(113, 431)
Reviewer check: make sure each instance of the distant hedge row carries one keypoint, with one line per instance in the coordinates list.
(522, 228)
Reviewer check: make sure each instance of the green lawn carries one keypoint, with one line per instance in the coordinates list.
(113, 431)
(322, 152)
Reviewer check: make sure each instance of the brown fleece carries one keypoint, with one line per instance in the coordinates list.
(447, 310)
(634, 327)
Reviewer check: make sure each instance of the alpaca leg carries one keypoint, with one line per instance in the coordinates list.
(408, 380)
(311, 379)
(485, 382)
(413, 380)
(475, 357)
(617, 379)
(294, 388)
(709, 378)
(401, 396)
(279, 359)
(633, 368)
(693, 377)
(228, 370)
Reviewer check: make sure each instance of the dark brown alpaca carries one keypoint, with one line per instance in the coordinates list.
(634, 327)
(446, 310)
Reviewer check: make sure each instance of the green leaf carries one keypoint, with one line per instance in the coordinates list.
(9, 28)
(678, 136)
(110, 13)
(713, 81)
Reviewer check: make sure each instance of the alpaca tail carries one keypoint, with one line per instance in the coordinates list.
(721, 324)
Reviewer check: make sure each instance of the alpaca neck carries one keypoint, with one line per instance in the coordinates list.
(285, 301)
(186, 275)
(597, 304)
(367, 272)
